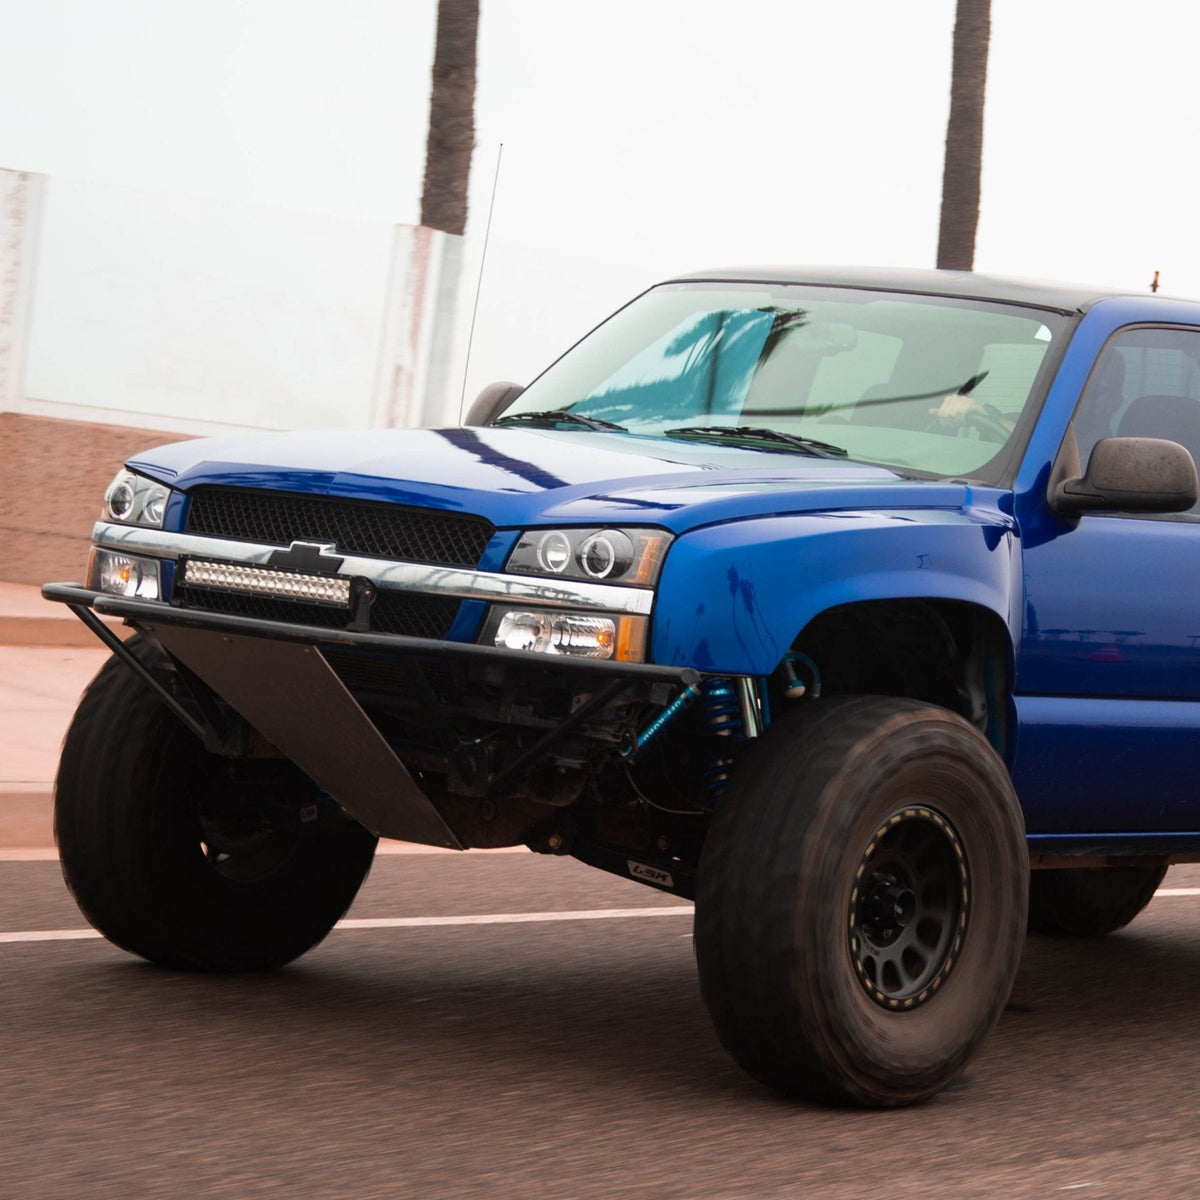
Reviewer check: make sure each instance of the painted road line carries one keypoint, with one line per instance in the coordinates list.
(49, 854)
(50, 935)
(591, 914)
(529, 918)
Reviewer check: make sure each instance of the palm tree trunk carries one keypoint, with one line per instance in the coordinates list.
(451, 117)
(964, 136)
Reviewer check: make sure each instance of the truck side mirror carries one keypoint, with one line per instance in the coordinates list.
(1130, 474)
(491, 402)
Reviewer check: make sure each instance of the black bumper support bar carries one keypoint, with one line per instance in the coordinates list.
(276, 676)
(159, 613)
(118, 647)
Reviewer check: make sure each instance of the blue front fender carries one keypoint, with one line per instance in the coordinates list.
(734, 596)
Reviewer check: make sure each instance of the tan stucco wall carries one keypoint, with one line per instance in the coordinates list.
(52, 477)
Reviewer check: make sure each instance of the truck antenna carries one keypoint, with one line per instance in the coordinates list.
(1154, 282)
(487, 232)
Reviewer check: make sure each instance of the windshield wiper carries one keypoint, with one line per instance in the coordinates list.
(753, 433)
(558, 416)
(964, 389)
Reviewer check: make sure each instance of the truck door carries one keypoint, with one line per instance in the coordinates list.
(1108, 672)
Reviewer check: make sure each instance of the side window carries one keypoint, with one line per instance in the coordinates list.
(1146, 383)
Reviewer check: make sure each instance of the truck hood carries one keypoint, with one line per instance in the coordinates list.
(522, 477)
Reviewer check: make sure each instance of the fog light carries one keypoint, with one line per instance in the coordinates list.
(124, 575)
(522, 631)
(585, 637)
(558, 633)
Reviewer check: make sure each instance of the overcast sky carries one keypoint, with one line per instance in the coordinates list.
(641, 137)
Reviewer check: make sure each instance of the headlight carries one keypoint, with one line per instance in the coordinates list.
(135, 500)
(628, 556)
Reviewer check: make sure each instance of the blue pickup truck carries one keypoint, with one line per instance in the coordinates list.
(862, 607)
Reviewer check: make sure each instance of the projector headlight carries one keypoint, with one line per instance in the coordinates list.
(133, 499)
(622, 556)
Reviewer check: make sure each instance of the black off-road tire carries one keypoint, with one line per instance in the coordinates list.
(1089, 901)
(189, 859)
(861, 901)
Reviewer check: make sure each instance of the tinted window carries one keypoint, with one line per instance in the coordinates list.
(1146, 383)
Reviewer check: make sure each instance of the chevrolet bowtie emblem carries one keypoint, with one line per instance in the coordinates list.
(317, 557)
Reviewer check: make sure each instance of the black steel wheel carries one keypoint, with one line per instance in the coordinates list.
(861, 901)
(908, 909)
(1090, 901)
(187, 858)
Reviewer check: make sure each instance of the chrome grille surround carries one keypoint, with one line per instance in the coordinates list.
(399, 577)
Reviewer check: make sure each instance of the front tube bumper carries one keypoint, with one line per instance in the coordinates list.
(277, 678)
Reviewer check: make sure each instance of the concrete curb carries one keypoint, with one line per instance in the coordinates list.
(50, 632)
(27, 817)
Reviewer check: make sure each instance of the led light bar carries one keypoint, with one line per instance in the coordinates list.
(262, 581)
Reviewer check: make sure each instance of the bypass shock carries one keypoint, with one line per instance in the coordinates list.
(720, 713)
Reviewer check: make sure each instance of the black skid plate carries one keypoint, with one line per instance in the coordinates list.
(291, 695)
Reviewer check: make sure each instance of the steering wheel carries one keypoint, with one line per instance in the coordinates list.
(991, 429)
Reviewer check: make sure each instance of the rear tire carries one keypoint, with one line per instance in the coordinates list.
(189, 859)
(1089, 901)
(861, 901)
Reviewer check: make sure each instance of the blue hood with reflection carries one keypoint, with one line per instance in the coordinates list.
(523, 477)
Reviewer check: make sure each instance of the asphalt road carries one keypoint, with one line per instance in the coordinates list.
(556, 1058)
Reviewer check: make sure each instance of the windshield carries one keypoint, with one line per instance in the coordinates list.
(920, 383)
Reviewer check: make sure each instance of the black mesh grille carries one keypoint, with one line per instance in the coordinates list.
(413, 615)
(382, 676)
(407, 613)
(355, 527)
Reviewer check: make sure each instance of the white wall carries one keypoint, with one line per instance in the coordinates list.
(172, 312)
(20, 208)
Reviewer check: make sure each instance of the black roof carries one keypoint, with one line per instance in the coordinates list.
(1062, 297)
